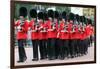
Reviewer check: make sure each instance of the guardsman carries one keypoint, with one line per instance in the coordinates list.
(90, 33)
(85, 41)
(46, 27)
(34, 33)
(76, 35)
(64, 36)
(71, 29)
(22, 28)
(42, 36)
(52, 28)
(89, 29)
(82, 42)
(56, 17)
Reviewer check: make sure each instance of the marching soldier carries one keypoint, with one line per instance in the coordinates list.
(64, 36)
(22, 28)
(78, 36)
(42, 36)
(71, 30)
(52, 28)
(56, 17)
(46, 27)
(34, 33)
(90, 29)
(82, 30)
(91, 33)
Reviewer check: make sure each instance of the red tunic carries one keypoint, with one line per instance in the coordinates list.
(42, 35)
(23, 33)
(51, 33)
(89, 30)
(34, 35)
(84, 35)
(77, 34)
(70, 29)
(63, 35)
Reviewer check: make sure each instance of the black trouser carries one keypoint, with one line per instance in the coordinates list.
(35, 49)
(91, 40)
(66, 47)
(69, 44)
(81, 47)
(21, 49)
(43, 48)
(85, 46)
(51, 48)
(62, 52)
(57, 49)
(88, 41)
(76, 47)
(25, 42)
(72, 47)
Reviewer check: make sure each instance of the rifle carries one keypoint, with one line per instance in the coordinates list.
(53, 26)
(19, 28)
(73, 29)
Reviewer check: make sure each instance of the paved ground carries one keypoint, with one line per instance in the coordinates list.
(88, 57)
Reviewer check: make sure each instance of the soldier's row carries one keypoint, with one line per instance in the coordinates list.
(49, 38)
(68, 40)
